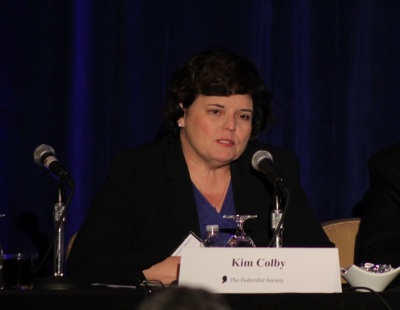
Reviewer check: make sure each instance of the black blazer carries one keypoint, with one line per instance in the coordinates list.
(147, 207)
(379, 234)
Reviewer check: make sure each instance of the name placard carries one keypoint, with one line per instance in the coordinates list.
(261, 270)
(191, 241)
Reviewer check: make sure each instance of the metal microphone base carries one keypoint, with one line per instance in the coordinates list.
(59, 283)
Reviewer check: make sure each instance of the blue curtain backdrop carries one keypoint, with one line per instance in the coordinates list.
(88, 78)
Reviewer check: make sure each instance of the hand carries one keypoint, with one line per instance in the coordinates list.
(165, 271)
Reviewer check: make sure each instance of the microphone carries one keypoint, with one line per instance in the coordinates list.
(44, 155)
(262, 161)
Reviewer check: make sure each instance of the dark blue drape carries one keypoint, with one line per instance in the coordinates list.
(88, 78)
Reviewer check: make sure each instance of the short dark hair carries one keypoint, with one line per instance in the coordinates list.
(217, 73)
(182, 298)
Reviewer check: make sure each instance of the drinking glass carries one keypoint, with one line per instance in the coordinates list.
(240, 239)
(1, 264)
(18, 271)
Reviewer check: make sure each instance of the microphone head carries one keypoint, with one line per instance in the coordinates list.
(258, 156)
(40, 152)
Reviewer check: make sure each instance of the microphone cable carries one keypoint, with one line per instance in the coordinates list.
(384, 302)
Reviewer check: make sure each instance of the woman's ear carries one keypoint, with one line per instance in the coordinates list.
(181, 120)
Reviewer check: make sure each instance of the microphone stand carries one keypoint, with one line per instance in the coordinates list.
(59, 220)
(276, 216)
(58, 281)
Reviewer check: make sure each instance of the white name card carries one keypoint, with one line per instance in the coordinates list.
(261, 270)
(191, 241)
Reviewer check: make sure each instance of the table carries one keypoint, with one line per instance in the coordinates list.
(119, 299)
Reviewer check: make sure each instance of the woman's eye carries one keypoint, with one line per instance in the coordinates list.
(245, 117)
(214, 112)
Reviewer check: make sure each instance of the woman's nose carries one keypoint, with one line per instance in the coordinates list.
(230, 123)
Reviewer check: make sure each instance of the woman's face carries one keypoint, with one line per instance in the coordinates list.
(215, 130)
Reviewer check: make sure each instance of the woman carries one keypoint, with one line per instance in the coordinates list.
(155, 194)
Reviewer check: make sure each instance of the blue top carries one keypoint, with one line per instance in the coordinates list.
(208, 215)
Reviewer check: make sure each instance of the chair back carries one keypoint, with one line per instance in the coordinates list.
(343, 233)
(70, 243)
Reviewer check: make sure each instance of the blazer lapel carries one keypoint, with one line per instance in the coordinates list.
(178, 191)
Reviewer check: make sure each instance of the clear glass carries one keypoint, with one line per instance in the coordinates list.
(1, 268)
(18, 270)
(1, 264)
(213, 238)
(240, 239)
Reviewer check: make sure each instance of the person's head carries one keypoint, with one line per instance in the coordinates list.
(183, 298)
(216, 102)
(217, 73)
